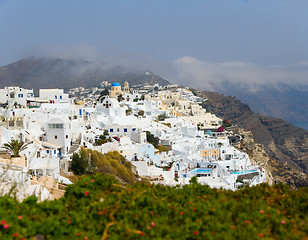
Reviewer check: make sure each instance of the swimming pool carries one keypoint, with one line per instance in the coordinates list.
(244, 172)
(200, 170)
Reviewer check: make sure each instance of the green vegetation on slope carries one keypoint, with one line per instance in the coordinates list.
(93, 162)
(99, 207)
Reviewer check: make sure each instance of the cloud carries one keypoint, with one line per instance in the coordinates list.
(210, 76)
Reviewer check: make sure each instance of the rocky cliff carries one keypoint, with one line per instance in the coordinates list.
(275, 171)
(283, 142)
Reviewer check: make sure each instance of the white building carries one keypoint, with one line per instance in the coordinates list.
(54, 95)
(58, 132)
(15, 95)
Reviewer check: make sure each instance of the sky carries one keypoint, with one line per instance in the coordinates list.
(195, 41)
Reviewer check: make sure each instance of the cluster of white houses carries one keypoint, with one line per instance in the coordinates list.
(58, 127)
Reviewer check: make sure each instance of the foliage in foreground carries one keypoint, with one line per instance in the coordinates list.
(99, 207)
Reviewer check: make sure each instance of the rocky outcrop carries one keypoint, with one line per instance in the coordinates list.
(275, 171)
(283, 142)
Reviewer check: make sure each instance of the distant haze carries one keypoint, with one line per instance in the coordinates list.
(250, 45)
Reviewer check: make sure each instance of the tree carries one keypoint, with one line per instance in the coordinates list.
(161, 117)
(141, 113)
(105, 92)
(103, 95)
(15, 147)
(152, 139)
(80, 162)
(120, 98)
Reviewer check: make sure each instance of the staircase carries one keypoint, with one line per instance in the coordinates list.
(75, 145)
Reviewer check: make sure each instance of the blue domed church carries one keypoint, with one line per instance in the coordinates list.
(115, 90)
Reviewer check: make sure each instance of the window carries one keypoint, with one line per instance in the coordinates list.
(111, 129)
(60, 97)
(20, 95)
(66, 136)
(47, 151)
(54, 151)
(12, 95)
(134, 129)
(55, 96)
(118, 129)
(125, 129)
(56, 137)
(55, 125)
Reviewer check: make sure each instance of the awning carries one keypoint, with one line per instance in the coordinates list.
(50, 145)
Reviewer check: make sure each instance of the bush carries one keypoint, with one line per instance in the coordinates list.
(99, 207)
(152, 139)
(92, 162)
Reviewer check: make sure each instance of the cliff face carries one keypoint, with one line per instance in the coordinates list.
(275, 171)
(282, 141)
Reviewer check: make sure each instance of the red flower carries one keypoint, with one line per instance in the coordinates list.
(152, 213)
(3, 222)
(148, 227)
(262, 211)
(19, 217)
(69, 221)
(247, 221)
(283, 222)
(22, 238)
(15, 235)
(85, 238)
(181, 213)
(233, 227)
(78, 234)
(194, 209)
(86, 193)
(152, 224)
(190, 202)
(92, 180)
(6, 226)
(86, 183)
(213, 232)
(195, 232)
(198, 220)
(261, 235)
(141, 233)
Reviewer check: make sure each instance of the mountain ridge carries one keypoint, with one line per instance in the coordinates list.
(65, 73)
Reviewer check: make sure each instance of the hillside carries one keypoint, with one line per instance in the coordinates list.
(283, 141)
(284, 101)
(62, 73)
(99, 207)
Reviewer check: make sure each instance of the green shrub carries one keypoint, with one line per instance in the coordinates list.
(99, 207)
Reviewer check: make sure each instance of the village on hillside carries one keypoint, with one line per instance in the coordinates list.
(164, 132)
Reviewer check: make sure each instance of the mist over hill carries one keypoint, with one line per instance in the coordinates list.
(279, 91)
(39, 73)
(284, 101)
